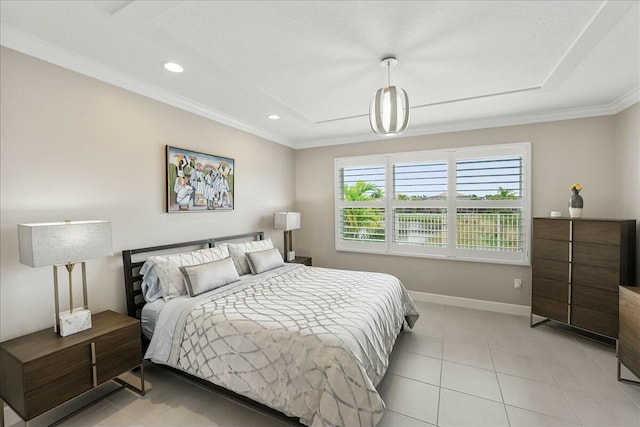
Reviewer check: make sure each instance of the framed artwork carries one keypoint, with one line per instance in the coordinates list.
(199, 182)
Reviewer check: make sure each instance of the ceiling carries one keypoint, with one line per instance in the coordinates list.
(464, 64)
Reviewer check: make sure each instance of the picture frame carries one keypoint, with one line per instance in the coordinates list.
(198, 182)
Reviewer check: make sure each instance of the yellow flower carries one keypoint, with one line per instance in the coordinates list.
(576, 187)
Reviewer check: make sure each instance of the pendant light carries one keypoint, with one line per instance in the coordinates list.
(389, 111)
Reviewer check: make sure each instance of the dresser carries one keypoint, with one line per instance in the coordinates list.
(42, 370)
(577, 267)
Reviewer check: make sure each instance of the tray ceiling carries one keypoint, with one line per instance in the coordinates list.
(464, 64)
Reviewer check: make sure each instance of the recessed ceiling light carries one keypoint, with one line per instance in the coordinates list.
(173, 67)
(273, 117)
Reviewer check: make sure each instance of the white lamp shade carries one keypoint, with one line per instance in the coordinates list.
(58, 243)
(389, 111)
(286, 220)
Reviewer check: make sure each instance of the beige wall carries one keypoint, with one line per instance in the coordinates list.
(627, 139)
(76, 148)
(563, 152)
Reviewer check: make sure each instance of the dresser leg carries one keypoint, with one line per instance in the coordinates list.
(2, 414)
(531, 324)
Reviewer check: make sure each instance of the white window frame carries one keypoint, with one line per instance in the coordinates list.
(388, 203)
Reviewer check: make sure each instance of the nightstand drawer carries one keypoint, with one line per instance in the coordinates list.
(67, 361)
(50, 395)
(118, 352)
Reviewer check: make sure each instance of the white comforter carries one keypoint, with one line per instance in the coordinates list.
(310, 342)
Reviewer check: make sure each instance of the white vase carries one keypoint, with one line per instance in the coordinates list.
(575, 212)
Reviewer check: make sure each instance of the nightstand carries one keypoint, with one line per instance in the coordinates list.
(42, 370)
(628, 349)
(306, 260)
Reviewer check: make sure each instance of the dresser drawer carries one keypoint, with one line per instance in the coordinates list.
(603, 232)
(595, 299)
(551, 309)
(66, 361)
(595, 254)
(118, 352)
(595, 321)
(551, 249)
(549, 288)
(596, 277)
(551, 229)
(551, 269)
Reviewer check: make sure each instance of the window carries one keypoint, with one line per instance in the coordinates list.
(467, 203)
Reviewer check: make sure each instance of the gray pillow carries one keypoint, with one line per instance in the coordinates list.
(238, 252)
(167, 268)
(208, 276)
(266, 260)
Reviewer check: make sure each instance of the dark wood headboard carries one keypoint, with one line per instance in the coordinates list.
(133, 280)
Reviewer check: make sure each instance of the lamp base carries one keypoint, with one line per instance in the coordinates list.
(73, 322)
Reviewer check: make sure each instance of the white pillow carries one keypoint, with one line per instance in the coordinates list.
(238, 251)
(150, 286)
(266, 260)
(167, 268)
(208, 276)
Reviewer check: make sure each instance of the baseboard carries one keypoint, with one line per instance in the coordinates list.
(499, 307)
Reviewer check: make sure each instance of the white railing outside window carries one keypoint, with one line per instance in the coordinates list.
(467, 203)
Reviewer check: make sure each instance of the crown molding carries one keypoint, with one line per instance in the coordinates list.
(627, 100)
(630, 98)
(48, 52)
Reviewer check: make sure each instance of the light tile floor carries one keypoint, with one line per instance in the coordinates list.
(457, 367)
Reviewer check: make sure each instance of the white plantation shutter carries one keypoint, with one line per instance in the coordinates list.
(360, 204)
(467, 203)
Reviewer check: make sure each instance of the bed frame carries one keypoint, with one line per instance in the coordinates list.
(133, 279)
(135, 302)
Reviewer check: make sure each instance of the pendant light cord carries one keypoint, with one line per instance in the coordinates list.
(388, 74)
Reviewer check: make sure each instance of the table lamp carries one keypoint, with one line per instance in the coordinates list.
(66, 243)
(287, 221)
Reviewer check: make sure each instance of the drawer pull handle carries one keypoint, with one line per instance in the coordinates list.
(93, 353)
(95, 376)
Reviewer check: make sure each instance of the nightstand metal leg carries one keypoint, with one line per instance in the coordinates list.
(125, 384)
(624, 380)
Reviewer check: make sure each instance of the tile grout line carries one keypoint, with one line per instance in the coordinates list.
(440, 385)
(495, 372)
(562, 391)
(607, 374)
(413, 418)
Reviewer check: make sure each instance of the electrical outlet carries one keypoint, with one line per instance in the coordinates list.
(517, 283)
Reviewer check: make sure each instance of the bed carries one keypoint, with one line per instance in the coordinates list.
(312, 343)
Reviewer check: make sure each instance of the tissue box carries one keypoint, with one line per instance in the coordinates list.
(76, 321)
